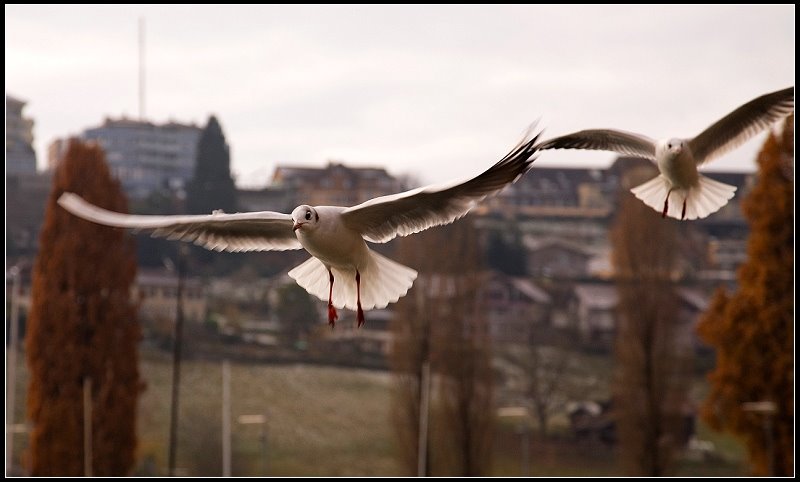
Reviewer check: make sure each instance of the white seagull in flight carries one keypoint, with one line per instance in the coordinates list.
(335, 236)
(677, 159)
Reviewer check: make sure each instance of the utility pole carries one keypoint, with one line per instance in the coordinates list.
(525, 450)
(425, 386)
(422, 455)
(226, 418)
(176, 363)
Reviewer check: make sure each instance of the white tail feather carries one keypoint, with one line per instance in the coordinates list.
(707, 197)
(383, 281)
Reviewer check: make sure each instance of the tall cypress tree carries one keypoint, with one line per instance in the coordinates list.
(212, 186)
(752, 329)
(82, 326)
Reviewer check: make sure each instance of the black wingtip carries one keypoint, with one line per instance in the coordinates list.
(526, 148)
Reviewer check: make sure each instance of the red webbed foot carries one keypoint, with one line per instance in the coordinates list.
(332, 315)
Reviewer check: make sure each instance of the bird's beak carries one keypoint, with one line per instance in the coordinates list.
(297, 226)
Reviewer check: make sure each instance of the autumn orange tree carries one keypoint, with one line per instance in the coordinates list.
(82, 327)
(752, 329)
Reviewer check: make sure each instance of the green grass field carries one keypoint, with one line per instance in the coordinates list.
(321, 421)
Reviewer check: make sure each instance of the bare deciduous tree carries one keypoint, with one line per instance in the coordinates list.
(441, 321)
(651, 368)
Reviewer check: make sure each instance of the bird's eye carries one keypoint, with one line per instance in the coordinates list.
(308, 215)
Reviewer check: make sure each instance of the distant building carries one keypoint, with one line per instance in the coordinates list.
(515, 307)
(26, 197)
(579, 203)
(559, 192)
(334, 185)
(594, 315)
(55, 151)
(20, 156)
(143, 155)
(270, 198)
(556, 258)
(374, 338)
(158, 292)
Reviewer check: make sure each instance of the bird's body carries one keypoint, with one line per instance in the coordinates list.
(342, 269)
(332, 242)
(340, 258)
(680, 191)
(679, 167)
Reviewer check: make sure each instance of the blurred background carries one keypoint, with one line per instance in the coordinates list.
(561, 328)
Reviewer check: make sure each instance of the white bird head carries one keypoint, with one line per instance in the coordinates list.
(673, 147)
(305, 217)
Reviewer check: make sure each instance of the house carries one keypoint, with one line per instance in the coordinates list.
(158, 293)
(593, 314)
(515, 307)
(556, 258)
(374, 338)
(335, 184)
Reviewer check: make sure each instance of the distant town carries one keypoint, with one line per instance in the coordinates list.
(561, 219)
(547, 276)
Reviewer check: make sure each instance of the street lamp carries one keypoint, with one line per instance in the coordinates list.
(176, 356)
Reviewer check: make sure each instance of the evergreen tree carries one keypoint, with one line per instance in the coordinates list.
(752, 329)
(82, 326)
(212, 188)
(506, 256)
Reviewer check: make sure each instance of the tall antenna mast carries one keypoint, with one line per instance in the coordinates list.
(141, 69)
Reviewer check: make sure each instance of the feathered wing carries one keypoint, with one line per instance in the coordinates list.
(383, 218)
(256, 231)
(707, 197)
(383, 281)
(622, 142)
(742, 124)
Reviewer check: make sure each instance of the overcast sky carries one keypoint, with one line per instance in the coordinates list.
(439, 92)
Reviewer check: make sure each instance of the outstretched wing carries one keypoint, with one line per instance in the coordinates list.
(381, 219)
(257, 231)
(740, 125)
(622, 142)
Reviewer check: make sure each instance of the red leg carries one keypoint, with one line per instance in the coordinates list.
(332, 315)
(360, 312)
(666, 204)
(683, 212)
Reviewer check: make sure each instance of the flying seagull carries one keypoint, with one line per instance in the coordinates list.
(677, 159)
(342, 268)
